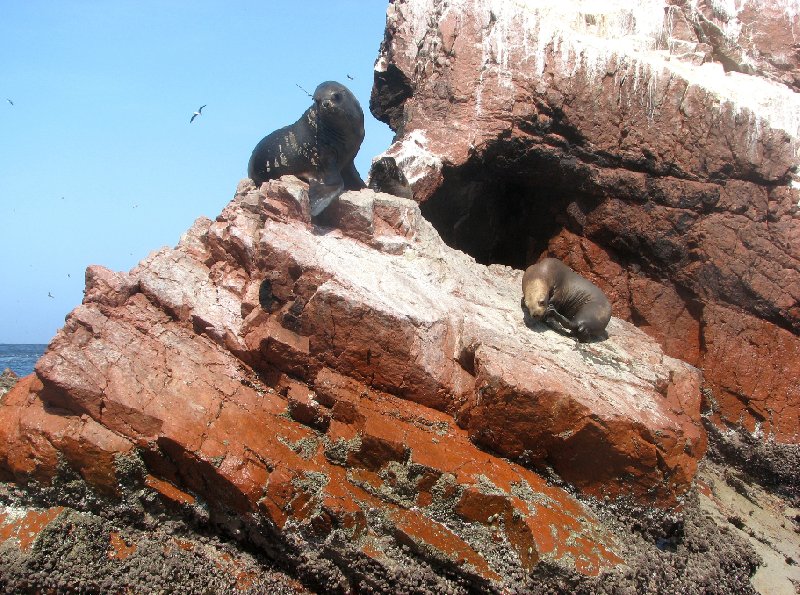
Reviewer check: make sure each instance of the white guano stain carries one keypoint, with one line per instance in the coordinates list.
(591, 38)
(413, 157)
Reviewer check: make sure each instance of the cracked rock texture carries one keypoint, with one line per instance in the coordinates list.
(652, 147)
(353, 399)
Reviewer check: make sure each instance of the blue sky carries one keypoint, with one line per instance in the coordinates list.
(98, 161)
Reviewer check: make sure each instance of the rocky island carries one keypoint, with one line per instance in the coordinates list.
(355, 404)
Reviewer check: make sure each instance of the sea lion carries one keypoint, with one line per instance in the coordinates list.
(553, 292)
(385, 176)
(319, 148)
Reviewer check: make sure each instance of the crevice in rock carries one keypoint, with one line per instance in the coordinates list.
(476, 222)
(505, 204)
(265, 297)
(466, 358)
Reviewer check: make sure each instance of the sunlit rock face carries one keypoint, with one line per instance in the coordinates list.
(357, 392)
(652, 147)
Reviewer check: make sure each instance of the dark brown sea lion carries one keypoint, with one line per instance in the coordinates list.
(319, 148)
(385, 176)
(554, 293)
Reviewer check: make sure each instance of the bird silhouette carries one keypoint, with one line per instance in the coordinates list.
(11, 102)
(50, 295)
(199, 112)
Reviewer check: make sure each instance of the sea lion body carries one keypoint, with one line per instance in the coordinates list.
(385, 176)
(319, 148)
(553, 292)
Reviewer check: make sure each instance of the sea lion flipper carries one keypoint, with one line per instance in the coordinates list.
(321, 194)
(352, 179)
(576, 328)
(555, 324)
(552, 313)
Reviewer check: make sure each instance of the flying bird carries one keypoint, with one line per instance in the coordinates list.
(350, 77)
(50, 295)
(199, 112)
(11, 102)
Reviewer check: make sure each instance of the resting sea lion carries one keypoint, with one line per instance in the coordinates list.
(553, 292)
(385, 176)
(319, 148)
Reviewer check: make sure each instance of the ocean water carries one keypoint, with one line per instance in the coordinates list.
(20, 357)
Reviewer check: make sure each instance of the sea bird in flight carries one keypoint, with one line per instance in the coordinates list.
(199, 112)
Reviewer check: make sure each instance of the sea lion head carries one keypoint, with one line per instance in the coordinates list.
(386, 176)
(335, 101)
(537, 297)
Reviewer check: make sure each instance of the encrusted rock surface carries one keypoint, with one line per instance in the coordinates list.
(340, 397)
(7, 379)
(653, 147)
(58, 549)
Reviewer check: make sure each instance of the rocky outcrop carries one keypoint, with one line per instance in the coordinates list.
(356, 400)
(652, 147)
(7, 380)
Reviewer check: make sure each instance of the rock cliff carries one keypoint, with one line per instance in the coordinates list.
(653, 148)
(349, 390)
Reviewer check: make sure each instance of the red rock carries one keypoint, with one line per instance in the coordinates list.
(24, 526)
(277, 498)
(521, 536)
(107, 287)
(374, 452)
(304, 408)
(474, 505)
(271, 374)
(270, 344)
(522, 413)
(421, 536)
(653, 150)
(286, 198)
(35, 439)
(119, 548)
(169, 492)
(748, 356)
(352, 213)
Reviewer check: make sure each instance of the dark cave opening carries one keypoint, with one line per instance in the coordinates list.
(505, 205)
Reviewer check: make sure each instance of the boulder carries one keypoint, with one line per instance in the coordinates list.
(361, 386)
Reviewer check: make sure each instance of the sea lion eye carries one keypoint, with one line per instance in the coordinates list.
(541, 302)
(336, 96)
